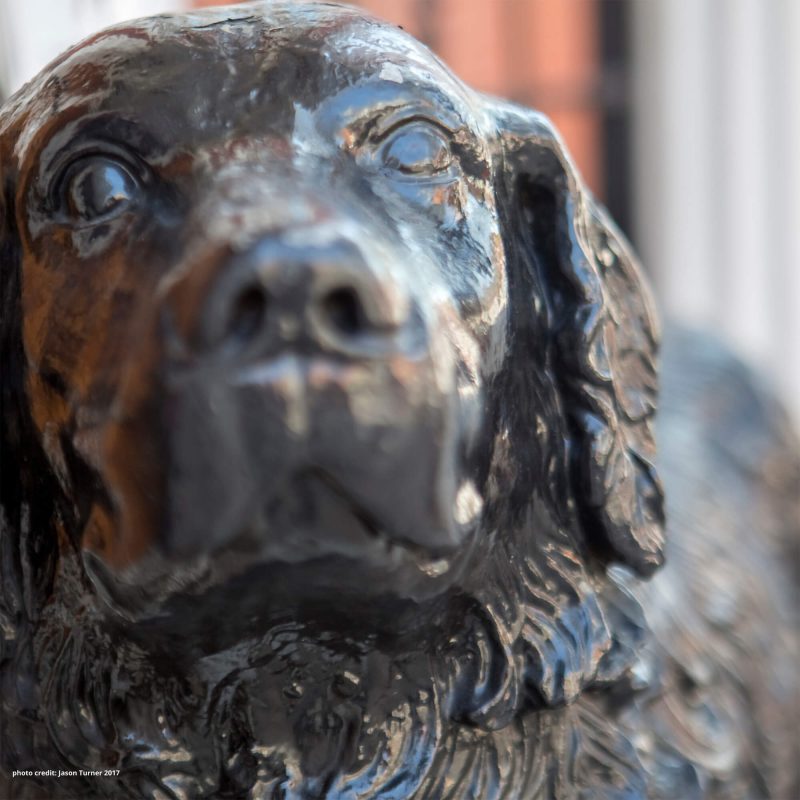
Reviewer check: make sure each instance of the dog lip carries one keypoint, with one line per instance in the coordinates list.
(375, 528)
(432, 561)
(369, 523)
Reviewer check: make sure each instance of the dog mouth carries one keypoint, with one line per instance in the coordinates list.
(316, 516)
(313, 533)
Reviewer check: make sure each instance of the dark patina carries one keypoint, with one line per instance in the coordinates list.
(328, 452)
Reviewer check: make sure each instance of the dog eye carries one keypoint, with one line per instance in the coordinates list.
(98, 188)
(418, 149)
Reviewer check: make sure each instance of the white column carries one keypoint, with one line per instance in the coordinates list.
(740, 138)
(717, 165)
(673, 196)
(782, 145)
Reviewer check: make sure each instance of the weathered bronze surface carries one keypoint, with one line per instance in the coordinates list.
(328, 447)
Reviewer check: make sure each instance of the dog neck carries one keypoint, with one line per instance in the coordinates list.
(312, 715)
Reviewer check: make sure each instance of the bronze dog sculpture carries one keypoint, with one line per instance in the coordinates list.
(328, 446)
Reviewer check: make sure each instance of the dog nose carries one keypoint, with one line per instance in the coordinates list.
(322, 296)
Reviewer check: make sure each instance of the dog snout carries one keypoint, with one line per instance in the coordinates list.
(320, 297)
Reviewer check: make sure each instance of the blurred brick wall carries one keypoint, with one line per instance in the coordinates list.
(543, 53)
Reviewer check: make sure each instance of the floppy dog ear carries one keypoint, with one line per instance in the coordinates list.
(26, 489)
(604, 337)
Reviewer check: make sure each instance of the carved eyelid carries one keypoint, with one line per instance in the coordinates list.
(399, 117)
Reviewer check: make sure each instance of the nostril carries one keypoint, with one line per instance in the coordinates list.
(343, 311)
(247, 315)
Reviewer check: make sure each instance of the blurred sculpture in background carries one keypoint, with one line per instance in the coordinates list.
(328, 446)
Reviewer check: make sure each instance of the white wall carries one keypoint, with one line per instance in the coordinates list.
(717, 131)
(32, 32)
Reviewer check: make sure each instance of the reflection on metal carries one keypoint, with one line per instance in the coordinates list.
(328, 449)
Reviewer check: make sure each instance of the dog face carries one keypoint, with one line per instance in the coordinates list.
(299, 321)
(266, 324)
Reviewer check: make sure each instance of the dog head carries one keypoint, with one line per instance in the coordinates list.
(296, 323)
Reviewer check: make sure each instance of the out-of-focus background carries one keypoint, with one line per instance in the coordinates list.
(683, 115)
